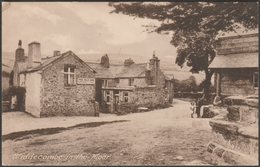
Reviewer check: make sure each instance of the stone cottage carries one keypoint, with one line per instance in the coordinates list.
(127, 87)
(236, 65)
(62, 84)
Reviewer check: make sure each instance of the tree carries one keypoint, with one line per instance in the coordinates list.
(187, 85)
(194, 27)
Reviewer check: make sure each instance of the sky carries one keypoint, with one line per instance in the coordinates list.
(83, 27)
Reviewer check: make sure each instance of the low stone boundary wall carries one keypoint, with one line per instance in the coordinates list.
(235, 134)
(148, 97)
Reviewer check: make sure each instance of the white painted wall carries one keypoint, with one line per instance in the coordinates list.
(22, 80)
(33, 93)
(139, 82)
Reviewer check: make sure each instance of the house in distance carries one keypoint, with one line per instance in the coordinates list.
(129, 86)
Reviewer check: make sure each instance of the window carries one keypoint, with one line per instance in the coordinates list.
(255, 79)
(117, 80)
(107, 96)
(131, 82)
(69, 75)
(125, 97)
(105, 83)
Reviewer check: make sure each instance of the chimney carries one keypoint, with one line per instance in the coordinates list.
(148, 77)
(105, 61)
(56, 53)
(19, 53)
(34, 54)
(154, 66)
(128, 62)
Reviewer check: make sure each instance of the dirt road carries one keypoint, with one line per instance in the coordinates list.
(167, 136)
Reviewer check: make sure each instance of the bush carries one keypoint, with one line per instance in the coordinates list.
(188, 85)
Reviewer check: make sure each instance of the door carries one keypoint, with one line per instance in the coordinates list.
(116, 97)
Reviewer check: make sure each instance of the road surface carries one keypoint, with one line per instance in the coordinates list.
(161, 137)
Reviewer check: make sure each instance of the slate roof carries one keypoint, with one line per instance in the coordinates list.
(22, 66)
(7, 62)
(134, 70)
(243, 60)
(47, 61)
(6, 69)
(237, 52)
(101, 71)
(119, 71)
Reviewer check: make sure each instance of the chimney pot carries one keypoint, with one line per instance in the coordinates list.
(19, 53)
(128, 62)
(105, 61)
(56, 53)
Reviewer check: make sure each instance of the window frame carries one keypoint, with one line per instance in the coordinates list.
(131, 81)
(105, 83)
(107, 96)
(68, 74)
(126, 97)
(117, 80)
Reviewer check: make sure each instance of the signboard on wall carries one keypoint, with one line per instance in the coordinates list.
(86, 81)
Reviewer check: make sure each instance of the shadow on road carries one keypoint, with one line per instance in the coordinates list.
(49, 131)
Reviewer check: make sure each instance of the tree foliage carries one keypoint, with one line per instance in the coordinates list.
(187, 85)
(194, 26)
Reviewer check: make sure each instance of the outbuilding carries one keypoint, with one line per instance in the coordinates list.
(236, 65)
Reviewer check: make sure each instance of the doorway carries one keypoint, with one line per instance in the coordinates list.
(116, 101)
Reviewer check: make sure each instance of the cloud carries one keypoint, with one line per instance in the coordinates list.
(83, 27)
(124, 29)
(62, 40)
(91, 51)
(36, 11)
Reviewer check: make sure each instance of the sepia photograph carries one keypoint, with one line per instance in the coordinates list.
(88, 83)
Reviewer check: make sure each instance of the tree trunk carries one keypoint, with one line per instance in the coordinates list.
(207, 84)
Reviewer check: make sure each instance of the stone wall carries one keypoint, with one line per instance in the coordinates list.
(58, 99)
(161, 79)
(237, 81)
(149, 97)
(124, 82)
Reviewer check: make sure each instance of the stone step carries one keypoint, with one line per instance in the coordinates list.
(230, 156)
(251, 101)
(242, 113)
(236, 136)
(224, 127)
(211, 111)
(234, 128)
